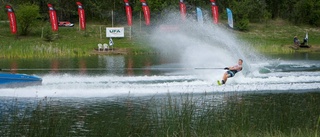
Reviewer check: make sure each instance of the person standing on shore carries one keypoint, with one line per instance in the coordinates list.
(296, 41)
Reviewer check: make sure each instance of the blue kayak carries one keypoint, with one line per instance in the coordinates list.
(17, 80)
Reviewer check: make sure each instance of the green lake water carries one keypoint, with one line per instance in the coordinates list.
(157, 95)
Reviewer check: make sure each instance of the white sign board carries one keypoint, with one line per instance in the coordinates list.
(115, 32)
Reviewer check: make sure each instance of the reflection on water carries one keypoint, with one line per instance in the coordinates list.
(113, 63)
(297, 56)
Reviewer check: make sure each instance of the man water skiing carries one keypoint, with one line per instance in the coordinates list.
(231, 72)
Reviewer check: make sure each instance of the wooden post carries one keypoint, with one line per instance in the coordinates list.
(112, 17)
(130, 34)
(140, 21)
(100, 33)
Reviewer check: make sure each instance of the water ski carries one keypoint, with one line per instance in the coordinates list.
(219, 83)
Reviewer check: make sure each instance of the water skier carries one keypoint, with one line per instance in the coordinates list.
(231, 72)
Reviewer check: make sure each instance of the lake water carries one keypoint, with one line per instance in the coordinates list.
(107, 76)
(98, 87)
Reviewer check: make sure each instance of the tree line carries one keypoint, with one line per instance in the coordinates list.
(244, 11)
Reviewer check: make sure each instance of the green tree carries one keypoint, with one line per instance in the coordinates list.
(27, 15)
(296, 11)
(275, 7)
(3, 15)
(315, 14)
(240, 14)
(307, 12)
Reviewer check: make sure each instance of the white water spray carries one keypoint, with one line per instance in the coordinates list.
(201, 45)
(194, 46)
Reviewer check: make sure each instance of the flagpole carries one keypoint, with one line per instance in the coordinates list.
(130, 32)
(100, 32)
(112, 17)
(140, 21)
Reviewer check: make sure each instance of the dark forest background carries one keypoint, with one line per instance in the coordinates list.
(244, 11)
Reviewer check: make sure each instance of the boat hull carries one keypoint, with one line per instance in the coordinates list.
(18, 80)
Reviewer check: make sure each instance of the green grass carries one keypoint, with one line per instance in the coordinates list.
(274, 37)
(66, 42)
(229, 114)
(277, 36)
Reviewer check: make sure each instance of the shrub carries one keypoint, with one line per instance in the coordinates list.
(27, 15)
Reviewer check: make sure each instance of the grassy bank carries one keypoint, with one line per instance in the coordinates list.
(273, 37)
(264, 115)
(276, 36)
(67, 42)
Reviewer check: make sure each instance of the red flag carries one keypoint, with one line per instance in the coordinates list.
(183, 10)
(82, 18)
(215, 13)
(12, 19)
(53, 18)
(146, 11)
(128, 12)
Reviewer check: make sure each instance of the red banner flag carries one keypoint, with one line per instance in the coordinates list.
(53, 18)
(128, 12)
(82, 18)
(146, 11)
(215, 13)
(183, 10)
(12, 19)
